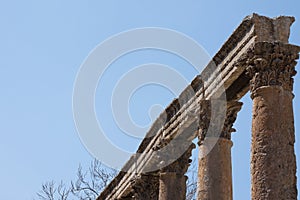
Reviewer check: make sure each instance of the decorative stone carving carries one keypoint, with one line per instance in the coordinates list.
(145, 187)
(181, 165)
(233, 107)
(204, 119)
(172, 179)
(270, 64)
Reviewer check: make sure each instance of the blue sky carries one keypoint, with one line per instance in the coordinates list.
(43, 44)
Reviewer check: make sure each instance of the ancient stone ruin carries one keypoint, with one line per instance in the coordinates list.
(256, 57)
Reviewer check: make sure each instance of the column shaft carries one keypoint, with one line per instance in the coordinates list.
(214, 171)
(172, 186)
(273, 162)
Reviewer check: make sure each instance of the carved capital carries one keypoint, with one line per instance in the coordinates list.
(145, 187)
(181, 165)
(224, 115)
(270, 64)
(204, 119)
(233, 107)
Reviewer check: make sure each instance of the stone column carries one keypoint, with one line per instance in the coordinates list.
(172, 180)
(214, 172)
(273, 163)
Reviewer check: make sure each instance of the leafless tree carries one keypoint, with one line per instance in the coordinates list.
(191, 185)
(52, 192)
(89, 184)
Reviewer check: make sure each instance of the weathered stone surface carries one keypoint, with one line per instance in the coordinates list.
(269, 64)
(172, 181)
(172, 186)
(145, 187)
(273, 164)
(272, 29)
(214, 171)
(217, 118)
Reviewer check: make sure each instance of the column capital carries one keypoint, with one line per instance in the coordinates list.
(181, 165)
(204, 119)
(172, 179)
(270, 64)
(231, 110)
(233, 107)
(145, 186)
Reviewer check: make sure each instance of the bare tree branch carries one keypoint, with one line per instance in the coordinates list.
(191, 184)
(89, 184)
(51, 192)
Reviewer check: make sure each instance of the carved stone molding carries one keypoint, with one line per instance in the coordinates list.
(270, 64)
